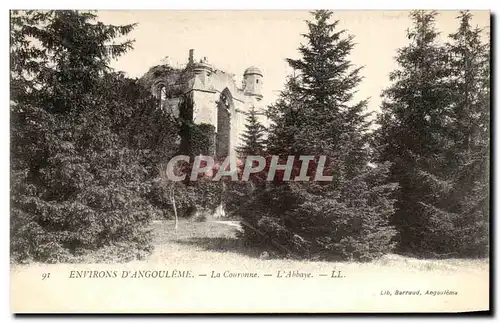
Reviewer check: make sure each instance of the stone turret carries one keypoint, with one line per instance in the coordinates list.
(252, 80)
(202, 68)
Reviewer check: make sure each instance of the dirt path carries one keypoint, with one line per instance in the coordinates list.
(230, 223)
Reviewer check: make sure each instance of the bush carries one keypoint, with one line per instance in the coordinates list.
(67, 215)
(200, 216)
(197, 139)
(81, 165)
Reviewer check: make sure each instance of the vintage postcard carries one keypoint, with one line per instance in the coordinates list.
(321, 161)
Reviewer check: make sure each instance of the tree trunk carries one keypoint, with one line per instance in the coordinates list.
(172, 198)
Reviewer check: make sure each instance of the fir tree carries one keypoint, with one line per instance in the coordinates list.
(80, 161)
(413, 114)
(253, 137)
(459, 213)
(315, 115)
(426, 128)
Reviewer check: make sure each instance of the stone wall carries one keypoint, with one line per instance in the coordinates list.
(204, 88)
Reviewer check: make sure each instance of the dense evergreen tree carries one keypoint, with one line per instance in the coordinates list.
(347, 217)
(470, 82)
(435, 106)
(413, 114)
(458, 178)
(80, 171)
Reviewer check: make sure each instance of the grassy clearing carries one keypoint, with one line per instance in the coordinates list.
(165, 233)
(194, 237)
(216, 243)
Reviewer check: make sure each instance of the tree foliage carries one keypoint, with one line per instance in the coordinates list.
(434, 126)
(80, 160)
(253, 137)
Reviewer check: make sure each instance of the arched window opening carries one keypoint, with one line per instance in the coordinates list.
(224, 108)
(163, 96)
(225, 100)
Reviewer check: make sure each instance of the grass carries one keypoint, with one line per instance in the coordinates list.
(215, 242)
(200, 236)
(165, 233)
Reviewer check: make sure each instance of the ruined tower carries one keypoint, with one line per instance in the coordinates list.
(252, 82)
(216, 99)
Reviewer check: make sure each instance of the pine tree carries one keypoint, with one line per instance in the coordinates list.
(253, 137)
(425, 129)
(315, 115)
(79, 174)
(61, 72)
(459, 214)
(414, 111)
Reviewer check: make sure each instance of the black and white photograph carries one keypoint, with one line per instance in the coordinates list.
(250, 161)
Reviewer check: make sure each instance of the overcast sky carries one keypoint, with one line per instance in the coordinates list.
(235, 40)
